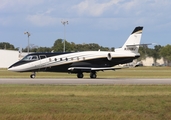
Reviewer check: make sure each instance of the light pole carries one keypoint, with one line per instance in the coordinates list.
(64, 22)
(28, 34)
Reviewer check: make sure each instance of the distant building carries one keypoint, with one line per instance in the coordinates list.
(8, 57)
(149, 61)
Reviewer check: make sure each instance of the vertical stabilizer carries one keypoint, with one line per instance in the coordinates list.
(133, 41)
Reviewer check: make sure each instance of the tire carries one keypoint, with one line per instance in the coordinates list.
(32, 76)
(93, 75)
(80, 75)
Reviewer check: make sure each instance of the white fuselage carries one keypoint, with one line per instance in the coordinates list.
(71, 58)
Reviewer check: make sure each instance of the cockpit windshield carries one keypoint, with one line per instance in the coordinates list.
(30, 58)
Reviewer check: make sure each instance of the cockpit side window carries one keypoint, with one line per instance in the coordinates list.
(34, 57)
(42, 56)
(30, 58)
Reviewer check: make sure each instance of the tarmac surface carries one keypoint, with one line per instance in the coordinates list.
(87, 81)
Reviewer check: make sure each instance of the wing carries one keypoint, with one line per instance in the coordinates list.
(89, 69)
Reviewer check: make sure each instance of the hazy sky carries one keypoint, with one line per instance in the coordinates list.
(105, 22)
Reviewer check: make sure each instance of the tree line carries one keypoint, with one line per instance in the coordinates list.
(156, 53)
(58, 47)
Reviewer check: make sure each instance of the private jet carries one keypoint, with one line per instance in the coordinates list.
(81, 62)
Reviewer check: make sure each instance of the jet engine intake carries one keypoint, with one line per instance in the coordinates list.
(109, 56)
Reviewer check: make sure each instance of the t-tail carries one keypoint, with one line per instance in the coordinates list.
(133, 42)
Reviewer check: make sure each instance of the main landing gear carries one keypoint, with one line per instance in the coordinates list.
(92, 75)
(80, 75)
(33, 75)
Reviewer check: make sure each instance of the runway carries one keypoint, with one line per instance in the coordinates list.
(87, 81)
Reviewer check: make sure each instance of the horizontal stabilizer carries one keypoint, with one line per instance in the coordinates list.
(142, 45)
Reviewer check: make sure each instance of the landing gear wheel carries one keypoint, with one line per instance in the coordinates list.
(33, 75)
(80, 75)
(93, 75)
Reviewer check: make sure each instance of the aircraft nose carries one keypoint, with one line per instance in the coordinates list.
(10, 68)
(13, 67)
(17, 67)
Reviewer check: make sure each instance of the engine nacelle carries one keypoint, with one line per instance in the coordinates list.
(109, 56)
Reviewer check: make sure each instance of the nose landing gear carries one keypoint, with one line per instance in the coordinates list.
(33, 75)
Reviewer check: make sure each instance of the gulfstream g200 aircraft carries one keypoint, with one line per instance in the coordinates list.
(80, 62)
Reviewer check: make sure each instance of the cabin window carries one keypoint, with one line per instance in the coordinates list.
(55, 59)
(60, 59)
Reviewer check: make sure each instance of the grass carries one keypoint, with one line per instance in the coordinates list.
(114, 102)
(88, 102)
(139, 72)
